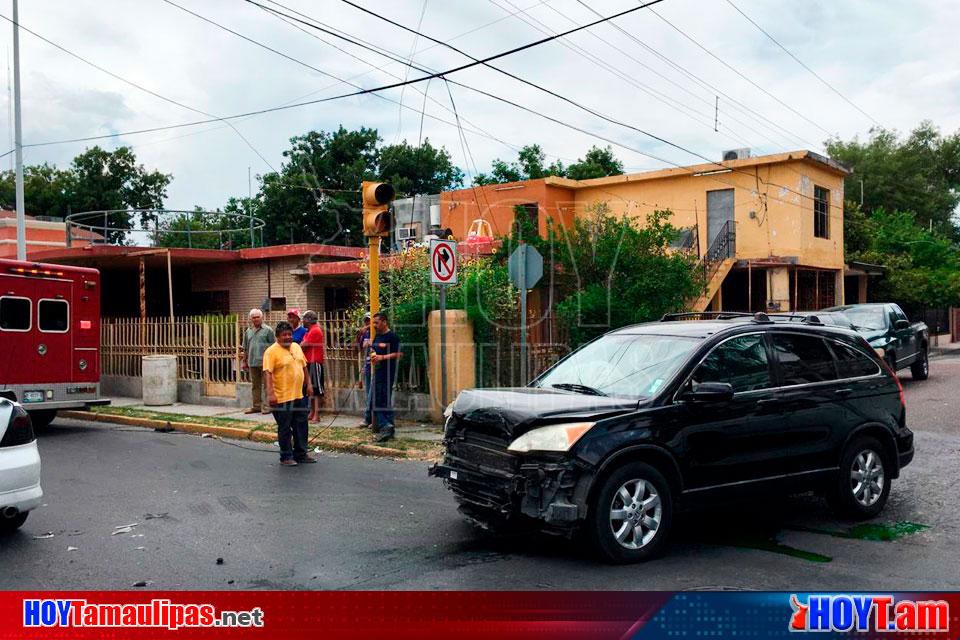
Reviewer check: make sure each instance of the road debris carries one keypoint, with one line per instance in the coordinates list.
(156, 516)
(44, 536)
(125, 529)
(72, 548)
(140, 583)
(139, 548)
(219, 560)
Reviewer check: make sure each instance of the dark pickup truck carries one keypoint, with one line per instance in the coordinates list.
(886, 328)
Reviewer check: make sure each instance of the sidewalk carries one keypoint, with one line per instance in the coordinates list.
(945, 348)
(409, 430)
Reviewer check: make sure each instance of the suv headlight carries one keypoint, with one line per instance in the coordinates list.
(556, 437)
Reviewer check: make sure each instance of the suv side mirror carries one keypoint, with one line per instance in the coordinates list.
(709, 392)
(901, 324)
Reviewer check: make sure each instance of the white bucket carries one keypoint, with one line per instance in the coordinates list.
(159, 380)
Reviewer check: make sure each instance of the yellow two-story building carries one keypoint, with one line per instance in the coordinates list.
(769, 229)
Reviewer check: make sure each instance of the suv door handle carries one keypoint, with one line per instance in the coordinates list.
(843, 392)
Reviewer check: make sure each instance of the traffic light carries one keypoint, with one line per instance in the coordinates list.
(377, 217)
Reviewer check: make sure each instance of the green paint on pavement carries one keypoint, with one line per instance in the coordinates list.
(872, 531)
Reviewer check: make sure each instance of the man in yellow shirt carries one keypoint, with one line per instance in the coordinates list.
(284, 371)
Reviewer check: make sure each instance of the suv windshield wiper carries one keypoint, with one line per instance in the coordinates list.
(579, 388)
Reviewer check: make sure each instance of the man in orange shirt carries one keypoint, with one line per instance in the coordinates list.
(284, 371)
(312, 346)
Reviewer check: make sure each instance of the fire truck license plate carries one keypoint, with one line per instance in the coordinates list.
(33, 396)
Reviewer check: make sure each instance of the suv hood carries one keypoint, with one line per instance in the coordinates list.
(509, 413)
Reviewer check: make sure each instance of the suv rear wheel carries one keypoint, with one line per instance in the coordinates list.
(921, 368)
(863, 484)
(632, 515)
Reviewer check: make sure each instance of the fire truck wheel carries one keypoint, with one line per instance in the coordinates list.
(41, 419)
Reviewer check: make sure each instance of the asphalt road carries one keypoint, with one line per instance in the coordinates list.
(360, 523)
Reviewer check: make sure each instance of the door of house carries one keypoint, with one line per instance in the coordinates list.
(719, 212)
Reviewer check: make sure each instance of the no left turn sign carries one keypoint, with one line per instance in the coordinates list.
(443, 262)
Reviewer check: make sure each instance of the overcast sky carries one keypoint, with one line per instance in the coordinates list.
(898, 61)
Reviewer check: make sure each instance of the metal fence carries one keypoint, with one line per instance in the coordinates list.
(208, 348)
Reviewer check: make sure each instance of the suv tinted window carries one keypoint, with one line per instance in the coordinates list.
(741, 361)
(14, 314)
(803, 359)
(53, 315)
(853, 363)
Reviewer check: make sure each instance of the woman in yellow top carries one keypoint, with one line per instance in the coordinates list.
(284, 371)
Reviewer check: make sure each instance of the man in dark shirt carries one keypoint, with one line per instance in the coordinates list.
(383, 360)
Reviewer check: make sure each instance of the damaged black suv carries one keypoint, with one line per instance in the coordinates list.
(611, 440)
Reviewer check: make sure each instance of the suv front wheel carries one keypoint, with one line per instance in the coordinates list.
(632, 515)
(863, 483)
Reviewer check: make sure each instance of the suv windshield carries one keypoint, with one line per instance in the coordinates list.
(867, 317)
(632, 366)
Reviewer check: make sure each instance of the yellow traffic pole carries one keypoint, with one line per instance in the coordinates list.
(374, 251)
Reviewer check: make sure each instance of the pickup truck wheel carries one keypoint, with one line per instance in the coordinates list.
(921, 368)
(863, 483)
(631, 517)
(9, 525)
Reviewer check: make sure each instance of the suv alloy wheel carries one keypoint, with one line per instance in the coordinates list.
(632, 514)
(921, 368)
(863, 482)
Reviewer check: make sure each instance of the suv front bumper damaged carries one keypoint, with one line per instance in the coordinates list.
(541, 490)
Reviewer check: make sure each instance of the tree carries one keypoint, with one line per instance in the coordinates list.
(418, 170)
(621, 271)
(46, 190)
(112, 180)
(923, 267)
(529, 166)
(315, 196)
(920, 173)
(597, 163)
(200, 229)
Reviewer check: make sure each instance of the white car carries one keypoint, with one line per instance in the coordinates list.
(20, 490)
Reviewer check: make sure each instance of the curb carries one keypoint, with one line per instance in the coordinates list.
(255, 434)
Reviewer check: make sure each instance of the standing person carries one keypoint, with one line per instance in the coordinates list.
(384, 361)
(256, 339)
(285, 369)
(293, 317)
(312, 346)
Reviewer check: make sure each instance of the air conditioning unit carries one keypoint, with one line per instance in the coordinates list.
(736, 154)
(406, 233)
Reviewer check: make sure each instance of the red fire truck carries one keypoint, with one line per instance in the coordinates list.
(49, 337)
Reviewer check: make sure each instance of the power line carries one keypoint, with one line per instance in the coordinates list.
(801, 63)
(713, 90)
(485, 61)
(141, 88)
(739, 73)
(616, 72)
(442, 74)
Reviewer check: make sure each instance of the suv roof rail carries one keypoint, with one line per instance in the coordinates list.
(804, 318)
(704, 315)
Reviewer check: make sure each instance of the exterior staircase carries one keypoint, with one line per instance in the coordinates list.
(716, 264)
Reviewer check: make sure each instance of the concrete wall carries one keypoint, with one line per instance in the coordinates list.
(461, 358)
(781, 222)
(495, 203)
(409, 406)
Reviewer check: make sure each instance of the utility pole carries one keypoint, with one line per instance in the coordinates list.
(21, 214)
(10, 105)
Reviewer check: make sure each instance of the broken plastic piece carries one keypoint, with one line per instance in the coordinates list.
(44, 536)
(71, 548)
(219, 560)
